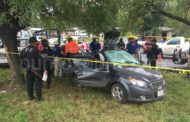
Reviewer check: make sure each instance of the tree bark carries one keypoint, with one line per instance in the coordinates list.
(10, 44)
(8, 34)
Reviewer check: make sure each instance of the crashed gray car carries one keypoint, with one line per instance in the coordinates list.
(125, 83)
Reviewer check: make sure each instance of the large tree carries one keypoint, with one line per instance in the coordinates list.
(92, 15)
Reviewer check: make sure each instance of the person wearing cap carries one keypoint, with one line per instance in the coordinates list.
(71, 49)
(153, 53)
(132, 46)
(45, 52)
(33, 63)
(57, 55)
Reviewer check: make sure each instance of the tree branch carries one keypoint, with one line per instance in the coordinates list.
(185, 21)
(167, 14)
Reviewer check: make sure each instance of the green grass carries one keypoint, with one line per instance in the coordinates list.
(65, 102)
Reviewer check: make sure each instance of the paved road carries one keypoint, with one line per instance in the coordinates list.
(166, 62)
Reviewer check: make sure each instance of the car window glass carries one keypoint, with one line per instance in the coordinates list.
(120, 57)
(23, 42)
(174, 41)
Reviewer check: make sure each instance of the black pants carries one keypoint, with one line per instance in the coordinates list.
(34, 79)
(96, 57)
(153, 63)
(70, 62)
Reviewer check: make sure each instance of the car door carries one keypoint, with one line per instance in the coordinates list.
(96, 75)
(169, 47)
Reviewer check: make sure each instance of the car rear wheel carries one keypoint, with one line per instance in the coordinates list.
(119, 93)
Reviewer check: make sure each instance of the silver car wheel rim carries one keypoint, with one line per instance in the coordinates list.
(117, 93)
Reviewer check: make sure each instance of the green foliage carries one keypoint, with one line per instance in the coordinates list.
(2, 18)
(143, 15)
(136, 17)
(92, 15)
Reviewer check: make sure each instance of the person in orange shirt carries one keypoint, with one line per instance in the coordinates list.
(71, 48)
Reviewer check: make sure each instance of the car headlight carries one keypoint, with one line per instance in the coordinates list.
(136, 82)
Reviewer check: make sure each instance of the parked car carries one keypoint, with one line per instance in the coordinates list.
(21, 44)
(3, 58)
(169, 46)
(125, 83)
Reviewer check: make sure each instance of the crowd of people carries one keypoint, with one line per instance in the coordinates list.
(39, 59)
(132, 47)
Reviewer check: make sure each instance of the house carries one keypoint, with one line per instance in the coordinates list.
(167, 32)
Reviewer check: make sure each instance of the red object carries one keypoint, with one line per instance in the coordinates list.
(40, 47)
(159, 58)
(147, 45)
(71, 47)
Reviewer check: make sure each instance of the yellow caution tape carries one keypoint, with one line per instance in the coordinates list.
(116, 63)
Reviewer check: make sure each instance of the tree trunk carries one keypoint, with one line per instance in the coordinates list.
(10, 44)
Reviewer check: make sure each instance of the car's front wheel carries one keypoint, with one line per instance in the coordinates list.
(119, 93)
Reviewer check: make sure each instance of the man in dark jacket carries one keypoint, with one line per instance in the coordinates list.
(95, 48)
(33, 62)
(153, 53)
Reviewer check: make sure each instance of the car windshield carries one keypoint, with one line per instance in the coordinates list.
(120, 56)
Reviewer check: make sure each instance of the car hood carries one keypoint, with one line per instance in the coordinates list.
(139, 73)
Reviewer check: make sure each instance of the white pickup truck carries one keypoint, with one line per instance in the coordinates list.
(174, 43)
